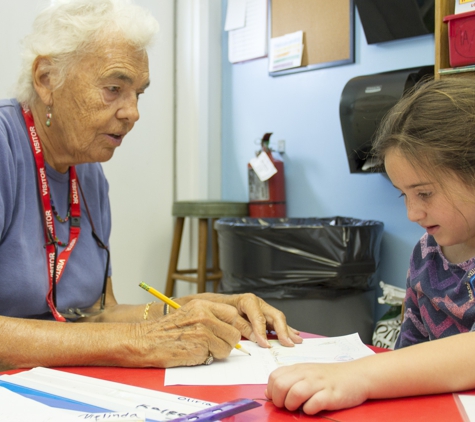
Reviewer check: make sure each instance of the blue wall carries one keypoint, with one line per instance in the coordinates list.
(303, 109)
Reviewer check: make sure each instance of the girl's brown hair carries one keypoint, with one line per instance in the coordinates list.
(434, 127)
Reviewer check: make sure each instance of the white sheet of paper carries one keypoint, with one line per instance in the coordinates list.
(235, 15)
(285, 52)
(466, 405)
(118, 397)
(17, 408)
(250, 42)
(239, 368)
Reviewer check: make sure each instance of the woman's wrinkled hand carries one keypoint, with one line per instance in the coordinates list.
(258, 317)
(190, 334)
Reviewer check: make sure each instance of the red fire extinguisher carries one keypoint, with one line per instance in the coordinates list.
(267, 198)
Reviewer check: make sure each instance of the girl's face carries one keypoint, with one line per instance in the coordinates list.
(449, 219)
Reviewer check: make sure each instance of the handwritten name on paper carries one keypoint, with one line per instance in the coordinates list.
(195, 401)
(171, 412)
(166, 412)
(117, 416)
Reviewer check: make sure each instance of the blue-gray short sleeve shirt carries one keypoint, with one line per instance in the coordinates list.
(23, 271)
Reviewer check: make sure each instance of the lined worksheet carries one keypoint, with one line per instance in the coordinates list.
(240, 368)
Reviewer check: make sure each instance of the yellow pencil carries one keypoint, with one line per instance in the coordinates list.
(175, 305)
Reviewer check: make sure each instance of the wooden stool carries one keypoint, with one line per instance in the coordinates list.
(206, 212)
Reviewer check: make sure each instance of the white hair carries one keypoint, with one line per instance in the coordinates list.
(68, 29)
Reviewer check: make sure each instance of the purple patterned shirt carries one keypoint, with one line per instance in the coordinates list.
(439, 298)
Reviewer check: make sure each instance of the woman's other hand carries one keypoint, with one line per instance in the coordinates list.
(258, 317)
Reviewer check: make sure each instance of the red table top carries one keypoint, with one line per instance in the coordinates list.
(441, 407)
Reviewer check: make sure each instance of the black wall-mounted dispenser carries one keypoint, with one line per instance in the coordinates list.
(364, 101)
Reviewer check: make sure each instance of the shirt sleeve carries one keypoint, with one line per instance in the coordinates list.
(6, 181)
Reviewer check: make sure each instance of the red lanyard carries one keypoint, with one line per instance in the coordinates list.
(49, 232)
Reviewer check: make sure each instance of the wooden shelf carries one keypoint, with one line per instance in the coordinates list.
(442, 9)
(456, 75)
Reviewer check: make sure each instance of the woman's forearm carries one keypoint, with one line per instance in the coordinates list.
(184, 338)
(29, 343)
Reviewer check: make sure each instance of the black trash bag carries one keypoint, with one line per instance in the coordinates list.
(287, 258)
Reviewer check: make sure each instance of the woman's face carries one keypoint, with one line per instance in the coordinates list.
(97, 105)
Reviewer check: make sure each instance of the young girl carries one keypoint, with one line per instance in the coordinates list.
(427, 144)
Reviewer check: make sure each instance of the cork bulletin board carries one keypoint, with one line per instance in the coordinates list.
(328, 30)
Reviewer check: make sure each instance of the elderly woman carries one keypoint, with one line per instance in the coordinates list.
(85, 66)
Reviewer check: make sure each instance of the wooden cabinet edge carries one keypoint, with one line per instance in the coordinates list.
(442, 9)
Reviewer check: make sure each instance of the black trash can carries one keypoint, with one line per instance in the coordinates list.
(321, 272)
